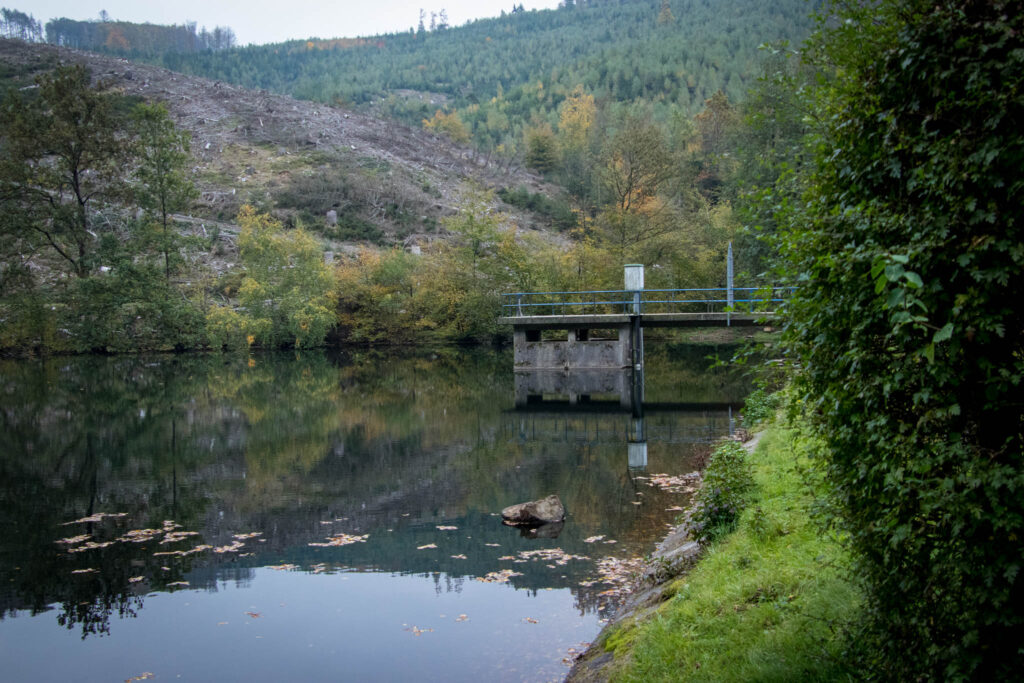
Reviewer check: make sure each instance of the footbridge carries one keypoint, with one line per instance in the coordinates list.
(604, 328)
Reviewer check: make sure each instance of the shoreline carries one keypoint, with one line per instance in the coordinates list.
(674, 556)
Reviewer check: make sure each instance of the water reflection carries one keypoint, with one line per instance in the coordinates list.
(560, 405)
(221, 469)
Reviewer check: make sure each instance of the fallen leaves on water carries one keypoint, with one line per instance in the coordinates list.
(74, 540)
(233, 547)
(254, 615)
(593, 539)
(675, 508)
(556, 555)
(506, 558)
(283, 567)
(136, 579)
(318, 568)
(182, 584)
(619, 572)
(87, 570)
(529, 620)
(493, 545)
(447, 528)
(498, 577)
(98, 517)
(341, 539)
(462, 617)
(458, 557)
(426, 547)
(141, 677)
(416, 630)
(175, 536)
(91, 545)
(184, 553)
(245, 537)
(683, 483)
(140, 535)
(574, 653)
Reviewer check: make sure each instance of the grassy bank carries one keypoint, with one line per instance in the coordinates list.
(767, 602)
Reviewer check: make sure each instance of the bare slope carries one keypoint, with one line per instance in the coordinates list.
(387, 182)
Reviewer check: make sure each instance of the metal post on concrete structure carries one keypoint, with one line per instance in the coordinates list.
(728, 286)
(635, 283)
(634, 277)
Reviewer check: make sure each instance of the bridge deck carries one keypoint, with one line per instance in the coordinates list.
(612, 320)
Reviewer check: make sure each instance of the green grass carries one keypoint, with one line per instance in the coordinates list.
(767, 603)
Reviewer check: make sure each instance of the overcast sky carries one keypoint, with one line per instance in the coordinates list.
(273, 21)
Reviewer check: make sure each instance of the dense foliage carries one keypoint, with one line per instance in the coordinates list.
(907, 246)
(504, 75)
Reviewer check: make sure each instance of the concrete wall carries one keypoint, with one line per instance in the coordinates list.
(572, 353)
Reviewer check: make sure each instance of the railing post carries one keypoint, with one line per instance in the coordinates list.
(519, 304)
(728, 285)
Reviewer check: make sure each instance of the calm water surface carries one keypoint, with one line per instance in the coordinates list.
(324, 516)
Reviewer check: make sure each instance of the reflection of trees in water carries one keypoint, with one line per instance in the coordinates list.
(222, 446)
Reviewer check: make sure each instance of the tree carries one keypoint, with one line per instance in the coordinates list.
(541, 148)
(15, 24)
(63, 151)
(163, 185)
(449, 124)
(907, 327)
(287, 294)
(665, 16)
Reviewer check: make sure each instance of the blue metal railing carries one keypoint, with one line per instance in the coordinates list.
(618, 301)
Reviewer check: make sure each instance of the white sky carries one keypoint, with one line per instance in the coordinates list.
(273, 21)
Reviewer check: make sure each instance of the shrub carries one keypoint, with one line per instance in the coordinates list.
(759, 406)
(907, 327)
(723, 495)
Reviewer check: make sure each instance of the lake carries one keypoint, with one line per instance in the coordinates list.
(329, 515)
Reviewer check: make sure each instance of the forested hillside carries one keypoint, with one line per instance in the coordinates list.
(502, 75)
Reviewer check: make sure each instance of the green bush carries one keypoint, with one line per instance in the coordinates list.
(723, 495)
(759, 406)
(907, 327)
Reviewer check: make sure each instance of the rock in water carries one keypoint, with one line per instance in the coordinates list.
(544, 511)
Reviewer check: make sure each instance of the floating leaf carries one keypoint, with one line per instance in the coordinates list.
(341, 539)
(447, 528)
(74, 540)
(427, 546)
(98, 517)
(498, 577)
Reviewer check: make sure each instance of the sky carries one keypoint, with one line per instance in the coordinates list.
(274, 21)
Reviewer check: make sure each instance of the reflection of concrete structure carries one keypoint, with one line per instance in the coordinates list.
(579, 386)
(567, 407)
